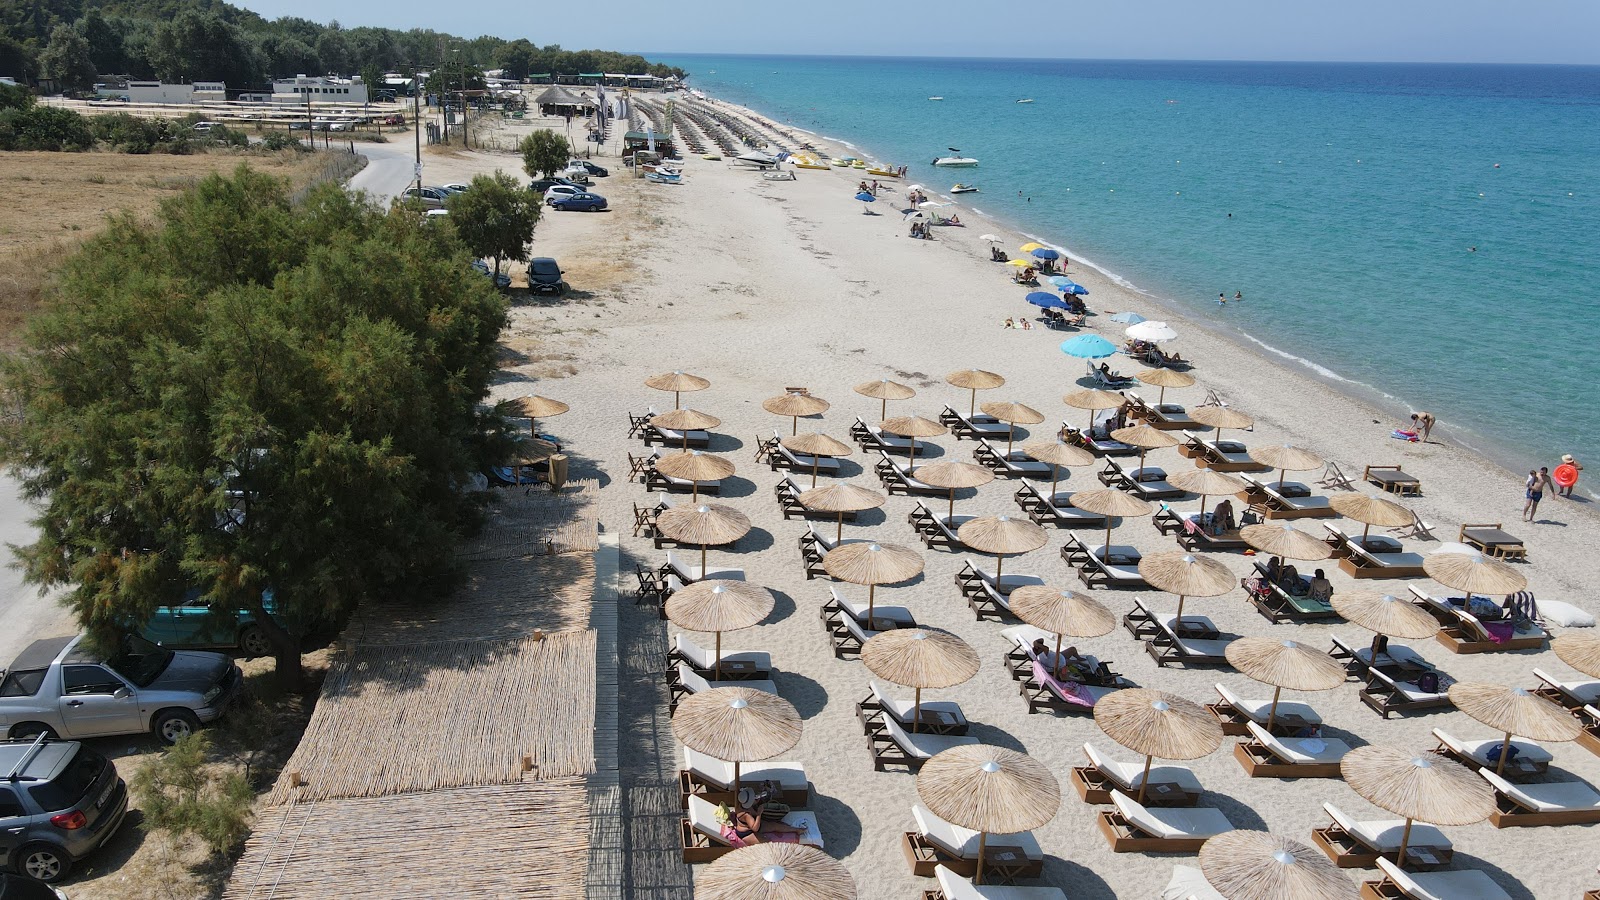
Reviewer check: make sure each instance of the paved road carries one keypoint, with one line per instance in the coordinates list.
(24, 615)
(390, 168)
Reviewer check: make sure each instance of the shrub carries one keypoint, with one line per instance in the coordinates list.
(282, 140)
(44, 128)
(181, 792)
(130, 134)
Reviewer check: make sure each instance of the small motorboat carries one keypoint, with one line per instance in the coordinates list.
(955, 162)
(959, 188)
(663, 177)
(1029, 100)
(778, 176)
(935, 98)
(756, 158)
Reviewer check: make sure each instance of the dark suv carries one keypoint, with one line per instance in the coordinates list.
(544, 276)
(59, 801)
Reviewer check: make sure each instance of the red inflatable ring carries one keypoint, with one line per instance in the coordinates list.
(1565, 475)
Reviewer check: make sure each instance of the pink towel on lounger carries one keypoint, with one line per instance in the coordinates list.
(1071, 691)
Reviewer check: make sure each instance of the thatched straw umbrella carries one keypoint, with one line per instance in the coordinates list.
(1165, 378)
(1385, 615)
(1205, 482)
(535, 408)
(1580, 651)
(1220, 417)
(974, 380)
(679, 383)
(1111, 504)
(1473, 573)
(920, 658)
(1094, 399)
(695, 466)
(1285, 458)
(1145, 438)
(717, 605)
(775, 871)
(1061, 612)
(991, 790)
(1013, 413)
(1283, 539)
(872, 564)
(816, 446)
(1058, 453)
(1514, 711)
(1155, 723)
(1371, 511)
(1419, 786)
(707, 524)
(685, 420)
(954, 476)
(1283, 664)
(1002, 535)
(736, 724)
(912, 427)
(1256, 865)
(1187, 575)
(840, 498)
(528, 451)
(794, 406)
(885, 390)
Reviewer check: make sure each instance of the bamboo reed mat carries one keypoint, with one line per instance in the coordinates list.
(498, 599)
(538, 522)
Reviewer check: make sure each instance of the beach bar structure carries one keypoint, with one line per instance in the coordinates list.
(557, 100)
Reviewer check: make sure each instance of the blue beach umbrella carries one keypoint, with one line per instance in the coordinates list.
(1060, 281)
(1046, 253)
(1045, 300)
(1088, 346)
(866, 197)
(1127, 318)
(1071, 287)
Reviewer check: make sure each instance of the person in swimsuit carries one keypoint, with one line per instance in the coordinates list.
(1422, 425)
(1566, 459)
(1537, 483)
(751, 828)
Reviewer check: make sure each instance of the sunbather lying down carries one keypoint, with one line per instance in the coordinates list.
(743, 827)
(1070, 665)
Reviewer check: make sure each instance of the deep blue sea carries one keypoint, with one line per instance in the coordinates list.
(1343, 200)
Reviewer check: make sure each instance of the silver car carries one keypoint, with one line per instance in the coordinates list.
(58, 686)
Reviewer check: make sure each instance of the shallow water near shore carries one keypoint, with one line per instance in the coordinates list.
(1344, 201)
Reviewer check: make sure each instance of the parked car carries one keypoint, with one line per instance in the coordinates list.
(583, 202)
(60, 802)
(16, 887)
(562, 190)
(500, 281)
(203, 127)
(591, 168)
(544, 276)
(59, 687)
(427, 197)
(576, 174)
(194, 625)
(455, 188)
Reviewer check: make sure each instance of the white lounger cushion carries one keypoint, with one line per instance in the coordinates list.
(963, 842)
(924, 746)
(1383, 835)
(1170, 824)
(903, 709)
(1007, 583)
(1168, 620)
(703, 816)
(1189, 883)
(1128, 775)
(906, 476)
(701, 658)
(1396, 654)
(1478, 750)
(954, 887)
(1456, 884)
(696, 684)
(1560, 796)
(1586, 690)
(1409, 689)
(791, 776)
(1300, 751)
(1256, 710)
(804, 461)
(691, 572)
(881, 612)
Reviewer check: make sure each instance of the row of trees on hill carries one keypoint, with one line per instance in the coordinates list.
(70, 41)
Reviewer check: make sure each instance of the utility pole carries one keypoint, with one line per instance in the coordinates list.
(416, 123)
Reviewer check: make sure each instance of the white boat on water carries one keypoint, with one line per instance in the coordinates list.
(955, 162)
(935, 98)
(1029, 100)
(959, 188)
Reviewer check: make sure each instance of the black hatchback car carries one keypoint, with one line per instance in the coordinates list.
(59, 801)
(544, 276)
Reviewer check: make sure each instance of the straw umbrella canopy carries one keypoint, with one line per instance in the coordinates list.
(707, 524)
(872, 564)
(1385, 615)
(1371, 511)
(794, 406)
(974, 380)
(1165, 378)
(535, 408)
(1058, 453)
(1283, 539)
(1285, 458)
(989, 790)
(685, 420)
(885, 390)
(913, 427)
(1256, 865)
(1473, 573)
(679, 383)
(1145, 438)
(775, 871)
(1514, 710)
(841, 498)
(695, 466)
(954, 476)
(816, 446)
(718, 605)
(1580, 651)
(1417, 786)
(1012, 413)
(1181, 572)
(1094, 399)
(920, 658)
(1205, 482)
(1220, 417)
(1284, 664)
(1155, 723)
(533, 450)
(1111, 504)
(1002, 535)
(737, 724)
(1061, 612)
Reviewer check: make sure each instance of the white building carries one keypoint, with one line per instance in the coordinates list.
(318, 89)
(157, 92)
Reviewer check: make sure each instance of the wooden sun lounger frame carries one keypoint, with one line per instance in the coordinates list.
(690, 785)
(1589, 737)
(1042, 512)
(962, 426)
(987, 456)
(1124, 838)
(925, 857)
(1345, 852)
(1401, 488)
(1094, 788)
(1384, 696)
(1510, 814)
(871, 443)
(1260, 762)
(1267, 503)
(844, 642)
(1498, 551)
(1462, 632)
(929, 526)
(869, 711)
(1277, 606)
(1204, 454)
(894, 482)
(1092, 571)
(1077, 438)
(1151, 414)
(1114, 476)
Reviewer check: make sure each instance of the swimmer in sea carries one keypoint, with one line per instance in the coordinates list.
(1238, 295)
(1222, 299)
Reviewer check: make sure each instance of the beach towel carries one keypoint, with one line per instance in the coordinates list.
(1403, 435)
(1499, 632)
(1070, 691)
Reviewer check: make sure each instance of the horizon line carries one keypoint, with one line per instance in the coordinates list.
(657, 54)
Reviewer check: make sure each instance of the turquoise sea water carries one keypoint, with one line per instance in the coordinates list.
(1355, 191)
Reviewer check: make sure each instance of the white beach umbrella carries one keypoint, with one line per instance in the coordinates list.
(1151, 330)
(991, 238)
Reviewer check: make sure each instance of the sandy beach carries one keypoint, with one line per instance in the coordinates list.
(760, 285)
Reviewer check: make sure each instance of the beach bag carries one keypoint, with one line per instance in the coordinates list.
(1428, 682)
(1494, 753)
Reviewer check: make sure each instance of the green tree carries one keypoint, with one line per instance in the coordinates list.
(495, 218)
(201, 46)
(180, 792)
(544, 153)
(249, 395)
(44, 128)
(105, 42)
(15, 96)
(67, 60)
(516, 59)
(17, 60)
(372, 77)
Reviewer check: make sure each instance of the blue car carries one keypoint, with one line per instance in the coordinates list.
(584, 202)
(193, 624)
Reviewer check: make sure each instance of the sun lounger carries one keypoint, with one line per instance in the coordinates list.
(1571, 694)
(1416, 528)
(871, 438)
(955, 887)
(1386, 694)
(884, 616)
(985, 594)
(1189, 883)
(1235, 713)
(1015, 464)
(1334, 477)
(1133, 828)
(702, 835)
(1279, 605)
(975, 427)
(652, 589)
(937, 843)
(733, 666)
(1116, 568)
(1115, 381)
(1529, 761)
(899, 480)
(1019, 658)
(1397, 660)
(1169, 785)
(1055, 510)
(1363, 563)
(1224, 456)
(1544, 803)
(781, 457)
(936, 530)
(788, 493)
(1165, 416)
(892, 745)
(935, 716)
(1193, 531)
(1170, 645)
(1288, 500)
(847, 632)
(1493, 541)
(712, 778)
(1393, 479)
(1456, 884)
(666, 436)
(1266, 755)
(1146, 483)
(1097, 441)
(1043, 690)
(1144, 623)
(655, 481)
(1589, 718)
(689, 573)
(688, 681)
(1351, 843)
(1463, 632)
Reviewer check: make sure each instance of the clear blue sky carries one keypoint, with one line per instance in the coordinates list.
(1529, 31)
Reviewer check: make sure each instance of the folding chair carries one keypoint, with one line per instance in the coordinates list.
(1333, 478)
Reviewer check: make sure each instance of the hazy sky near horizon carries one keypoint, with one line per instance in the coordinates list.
(1527, 31)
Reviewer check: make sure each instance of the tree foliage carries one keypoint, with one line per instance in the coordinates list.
(67, 60)
(544, 153)
(495, 218)
(43, 128)
(179, 792)
(248, 395)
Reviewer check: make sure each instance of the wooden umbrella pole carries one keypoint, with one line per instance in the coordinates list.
(695, 498)
(871, 590)
(1272, 711)
(839, 535)
(716, 661)
(883, 413)
(816, 461)
(1144, 780)
(736, 783)
(999, 565)
(686, 440)
(952, 503)
(794, 425)
(1055, 479)
(702, 562)
(983, 838)
(1108, 538)
(1505, 748)
(1202, 509)
(911, 466)
(677, 397)
(1162, 397)
(1011, 435)
(1177, 621)
(1364, 535)
(916, 713)
(1280, 478)
(972, 407)
(1405, 838)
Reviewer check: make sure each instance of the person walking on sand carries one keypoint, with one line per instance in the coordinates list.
(1422, 424)
(1565, 490)
(1538, 482)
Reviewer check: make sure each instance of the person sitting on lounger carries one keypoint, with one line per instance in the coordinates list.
(1321, 587)
(1068, 666)
(1222, 518)
(743, 827)
(1290, 581)
(1275, 570)
(1077, 319)
(953, 220)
